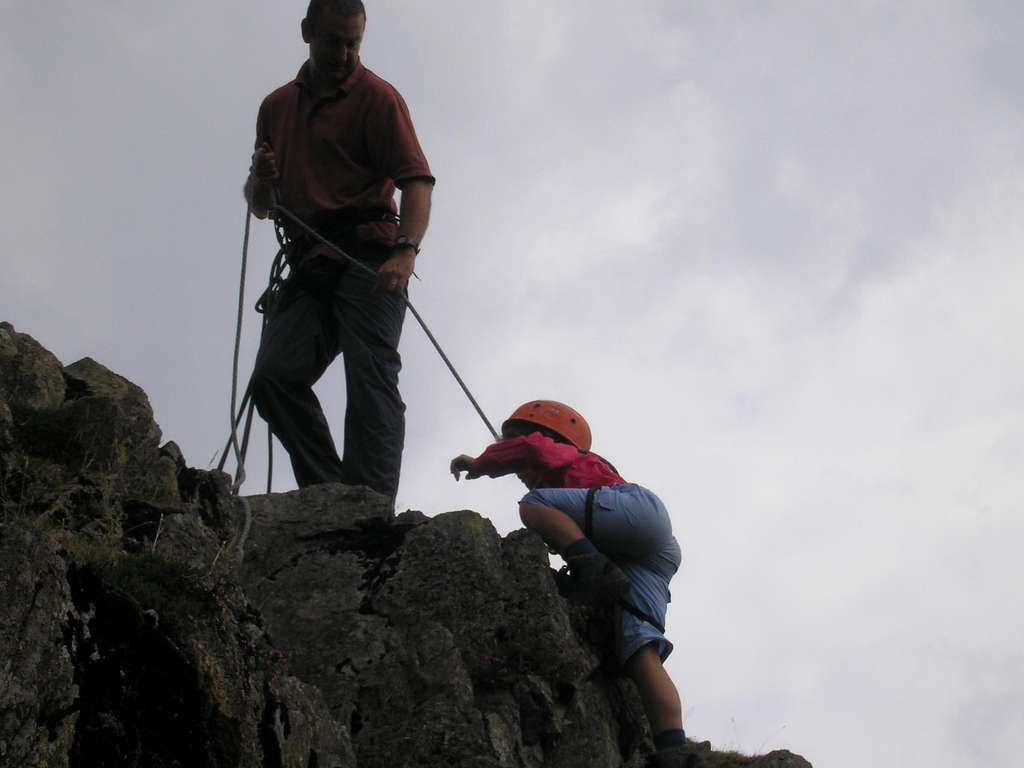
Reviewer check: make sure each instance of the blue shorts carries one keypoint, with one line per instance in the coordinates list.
(631, 525)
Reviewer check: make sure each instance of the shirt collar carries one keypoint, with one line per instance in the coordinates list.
(303, 77)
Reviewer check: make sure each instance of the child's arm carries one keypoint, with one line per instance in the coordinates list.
(527, 454)
(462, 464)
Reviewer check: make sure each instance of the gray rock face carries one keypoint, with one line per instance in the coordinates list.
(780, 758)
(30, 376)
(138, 662)
(37, 680)
(6, 427)
(435, 637)
(103, 431)
(122, 642)
(151, 619)
(75, 440)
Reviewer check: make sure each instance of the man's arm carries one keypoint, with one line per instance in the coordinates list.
(259, 186)
(394, 274)
(415, 209)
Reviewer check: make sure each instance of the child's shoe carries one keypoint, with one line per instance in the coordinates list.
(598, 577)
(683, 756)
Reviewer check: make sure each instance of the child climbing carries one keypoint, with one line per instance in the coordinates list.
(616, 538)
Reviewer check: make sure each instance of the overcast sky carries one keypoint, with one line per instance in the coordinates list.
(772, 250)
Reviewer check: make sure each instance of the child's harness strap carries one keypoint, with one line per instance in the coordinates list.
(588, 520)
(588, 530)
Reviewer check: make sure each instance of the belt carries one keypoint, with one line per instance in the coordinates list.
(348, 217)
(334, 224)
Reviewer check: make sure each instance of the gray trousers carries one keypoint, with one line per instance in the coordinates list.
(318, 317)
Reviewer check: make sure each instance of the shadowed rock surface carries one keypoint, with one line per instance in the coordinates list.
(151, 619)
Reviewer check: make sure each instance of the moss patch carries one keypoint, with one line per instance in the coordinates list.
(170, 588)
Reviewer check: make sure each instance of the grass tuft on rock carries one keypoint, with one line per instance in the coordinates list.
(175, 592)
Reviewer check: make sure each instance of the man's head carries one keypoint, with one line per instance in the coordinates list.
(333, 29)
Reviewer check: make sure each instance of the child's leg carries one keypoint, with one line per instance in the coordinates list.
(664, 711)
(592, 571)
(657, 691)
(557, 529)
(628, 521)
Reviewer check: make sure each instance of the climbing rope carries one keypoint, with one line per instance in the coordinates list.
(248, 405)
(265, 305)
(324, 241)
(233, 439)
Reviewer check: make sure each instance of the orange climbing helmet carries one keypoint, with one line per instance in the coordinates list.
(558, 417)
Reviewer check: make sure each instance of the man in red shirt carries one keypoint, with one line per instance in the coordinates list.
(335, 143)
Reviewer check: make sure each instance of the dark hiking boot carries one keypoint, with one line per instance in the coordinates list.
(683, 756)
(598, 578)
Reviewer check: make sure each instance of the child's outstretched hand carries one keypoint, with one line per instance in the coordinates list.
(461, 464)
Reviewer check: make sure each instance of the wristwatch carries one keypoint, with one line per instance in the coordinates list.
(406, 242)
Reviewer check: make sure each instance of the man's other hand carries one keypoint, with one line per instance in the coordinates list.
(394, 273)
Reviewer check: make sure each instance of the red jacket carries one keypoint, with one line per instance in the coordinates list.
(559, 465)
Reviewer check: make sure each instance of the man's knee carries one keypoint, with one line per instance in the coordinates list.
(264, 382)
(379, 366)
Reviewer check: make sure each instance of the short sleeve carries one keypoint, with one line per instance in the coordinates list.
(393, 144)
(262, 126)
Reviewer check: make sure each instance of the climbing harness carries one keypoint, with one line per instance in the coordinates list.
(265, 305)
(588, 515)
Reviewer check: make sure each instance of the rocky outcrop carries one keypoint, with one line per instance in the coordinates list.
(152, 619)
(121, 643)
(30, 376)
(434, 636)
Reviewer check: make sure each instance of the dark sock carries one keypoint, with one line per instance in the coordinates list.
(582, 547)
(673, 737)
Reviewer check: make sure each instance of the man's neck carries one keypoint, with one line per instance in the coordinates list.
(321, 86)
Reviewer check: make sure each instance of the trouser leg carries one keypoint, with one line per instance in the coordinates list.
(297, 346)
(369, 329)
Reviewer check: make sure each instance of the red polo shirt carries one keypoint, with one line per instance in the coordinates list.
(347, 150)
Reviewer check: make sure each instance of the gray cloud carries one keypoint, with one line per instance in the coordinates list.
(770, 249)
